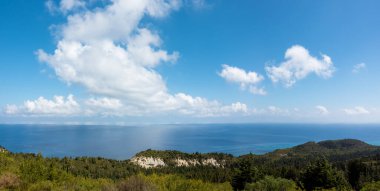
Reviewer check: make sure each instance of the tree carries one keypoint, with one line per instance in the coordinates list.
(321, 175)
(246, 173)
(355, 169)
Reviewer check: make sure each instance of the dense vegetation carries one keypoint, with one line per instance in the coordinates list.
(328, 165)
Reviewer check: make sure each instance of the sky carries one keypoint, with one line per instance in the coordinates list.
(189, 61)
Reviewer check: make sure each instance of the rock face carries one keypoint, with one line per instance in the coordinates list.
(156, 158)
(186, 163)
(148, 162)
(211, 162)
(3, 150)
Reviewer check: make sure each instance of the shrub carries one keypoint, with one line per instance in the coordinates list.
(136, 183)
(9, 181)
(373, 186)
(179, 183)
(270, 183)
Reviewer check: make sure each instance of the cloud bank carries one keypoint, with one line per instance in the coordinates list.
(113, 55)
(58, 106)
(358, 110)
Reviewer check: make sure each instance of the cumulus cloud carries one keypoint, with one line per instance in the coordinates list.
(245, 79)
(356, 111)
(106, 69)
(106, 51)
(67, 5)
(358, 67)
(64, 6)
(11, 109)
(106, 103)
(240, 76)
(239, 107)
(179, 104)
(299, 64)
(59, 105)
(202, 107)
(109, 52)
(322, 110)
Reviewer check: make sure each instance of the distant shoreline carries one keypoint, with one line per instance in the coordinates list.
(123, 142)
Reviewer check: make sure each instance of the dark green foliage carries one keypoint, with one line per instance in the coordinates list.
(245, 173)
(363, 170)
(36, 169)
(355, 169)
(345, 144)
(98, 167)
(321, 175)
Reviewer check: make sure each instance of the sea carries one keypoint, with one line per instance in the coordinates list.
(123, 142)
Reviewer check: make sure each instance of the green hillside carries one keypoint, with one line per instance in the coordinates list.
(327, 165)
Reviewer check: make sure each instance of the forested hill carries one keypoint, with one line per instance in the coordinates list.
(331, 146)
(327, 165)
(344, 149)
(334, 150)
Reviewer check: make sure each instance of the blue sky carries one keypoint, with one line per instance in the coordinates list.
(169, 61)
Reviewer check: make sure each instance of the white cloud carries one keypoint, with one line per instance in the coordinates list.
(116, 22)
(356, 111)
(276, 110)
(107, 51)
(201, 107)
(322, 110)
(358, 67)
(106, 69)
(105, 106)
(141, 49)
(104, 103)
(68, 5)
(11, 109)
(64, 6)
(245, 79)
(257, 91)
(51, 6)
(240, 76)
(239, 107)
(298, 64)
(59, 105)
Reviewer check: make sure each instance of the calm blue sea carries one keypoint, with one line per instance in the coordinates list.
(122, 142)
